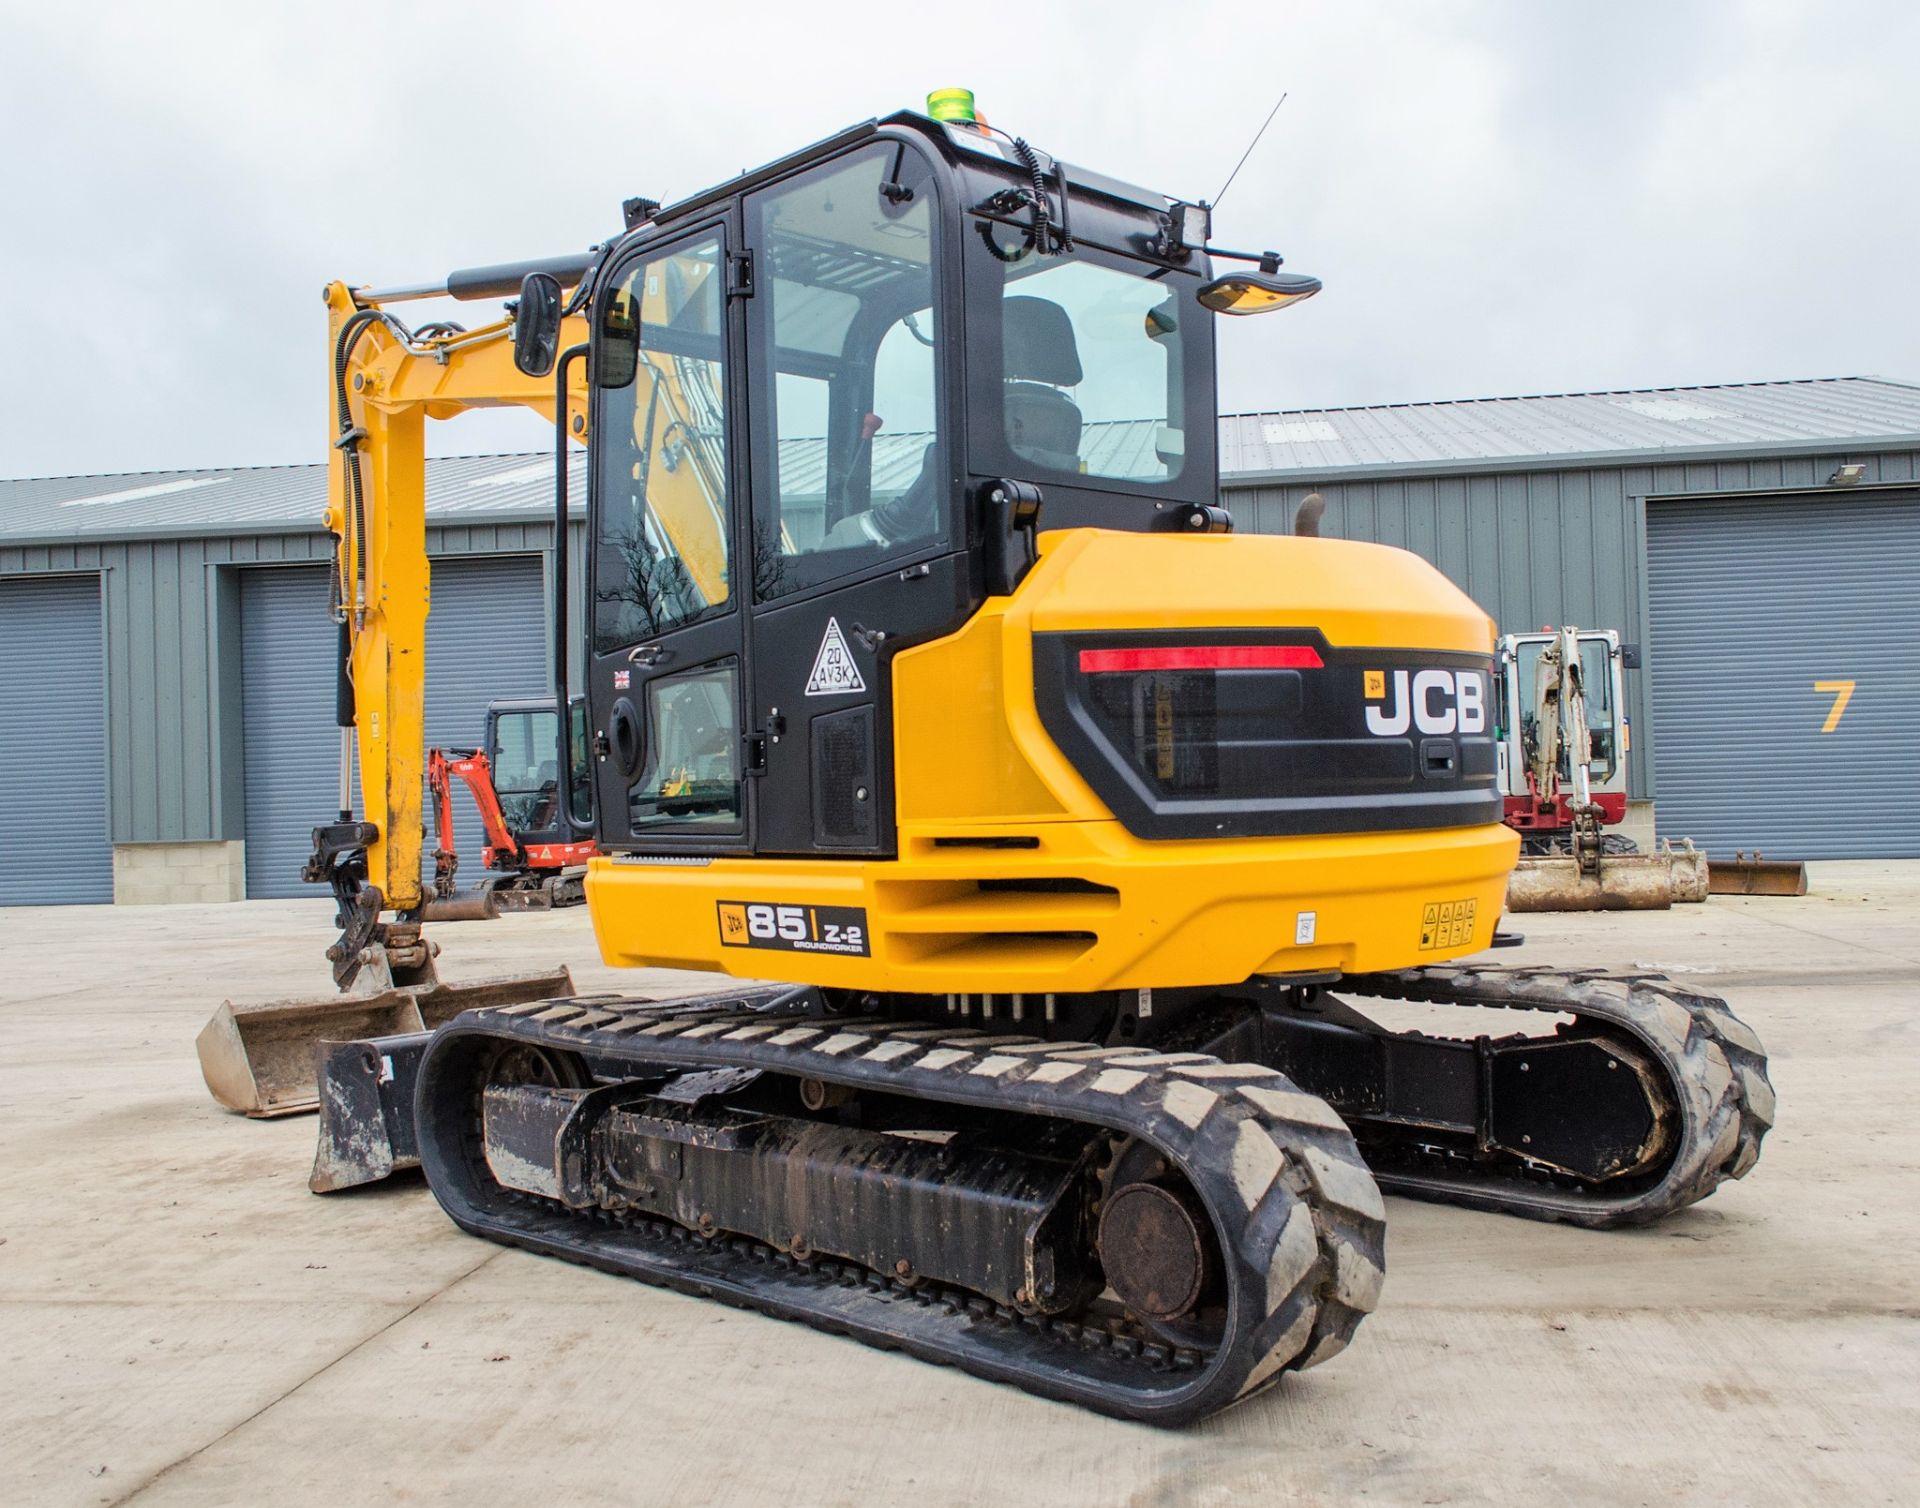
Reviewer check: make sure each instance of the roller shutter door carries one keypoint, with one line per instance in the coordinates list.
(53, 743)
(1786, 674)
(485, 639)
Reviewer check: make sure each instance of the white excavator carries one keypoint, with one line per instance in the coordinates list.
(1562, 751)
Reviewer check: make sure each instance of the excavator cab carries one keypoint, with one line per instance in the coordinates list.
(535, 800)
(837, 360)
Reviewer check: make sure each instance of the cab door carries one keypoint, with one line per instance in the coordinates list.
(667, 680)
(858, 547)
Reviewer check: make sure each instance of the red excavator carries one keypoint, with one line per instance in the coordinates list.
(535, 860)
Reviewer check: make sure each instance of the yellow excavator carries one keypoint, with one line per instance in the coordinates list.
(1072, 852)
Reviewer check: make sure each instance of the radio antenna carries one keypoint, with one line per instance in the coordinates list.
(1249, 151)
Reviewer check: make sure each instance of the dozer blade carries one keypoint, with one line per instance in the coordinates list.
(1625, 882)
(366, 1111)
(259, 1059)
(1744, 875)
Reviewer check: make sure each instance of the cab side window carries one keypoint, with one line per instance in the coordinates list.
(851, 339)
(661, 559)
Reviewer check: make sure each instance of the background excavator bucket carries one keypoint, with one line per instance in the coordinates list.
(1753, 874)
(1624, 882)
(260, 1059)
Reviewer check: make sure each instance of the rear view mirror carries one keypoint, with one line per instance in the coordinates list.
(536, 324)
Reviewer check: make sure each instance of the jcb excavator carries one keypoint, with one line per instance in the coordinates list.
(1077, 835)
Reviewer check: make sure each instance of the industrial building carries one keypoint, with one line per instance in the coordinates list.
(165, 650)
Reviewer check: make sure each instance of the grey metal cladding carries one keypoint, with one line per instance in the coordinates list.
(1761, 612)
(53, 759)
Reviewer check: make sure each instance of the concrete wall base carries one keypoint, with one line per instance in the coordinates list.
(160, 874)
(1638, 824)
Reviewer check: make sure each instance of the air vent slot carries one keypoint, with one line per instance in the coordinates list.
(1044, 885)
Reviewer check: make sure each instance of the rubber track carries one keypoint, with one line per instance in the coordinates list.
(1299, 1216)
(1713, 1062)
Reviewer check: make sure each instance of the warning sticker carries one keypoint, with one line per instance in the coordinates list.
(834, 673)
(1446, 924)
(794, 929)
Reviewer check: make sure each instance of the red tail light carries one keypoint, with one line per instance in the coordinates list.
(1203, 657)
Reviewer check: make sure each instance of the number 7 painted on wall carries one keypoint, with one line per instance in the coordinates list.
(1842, 693)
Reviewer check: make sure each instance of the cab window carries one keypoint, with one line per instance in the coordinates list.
(1092, 370)
(661, 557)
(849, 332)
(1596, 684)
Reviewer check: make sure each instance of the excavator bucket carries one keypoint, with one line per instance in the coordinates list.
(1622, 882)
(1753, 874)
(261, 1059)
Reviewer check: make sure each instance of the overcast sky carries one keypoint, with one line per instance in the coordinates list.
(1502, 197)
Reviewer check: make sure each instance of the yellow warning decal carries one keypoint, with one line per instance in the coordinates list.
(1447, 924)
(1376, 685)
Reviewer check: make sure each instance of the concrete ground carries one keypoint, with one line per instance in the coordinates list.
(181, 1321)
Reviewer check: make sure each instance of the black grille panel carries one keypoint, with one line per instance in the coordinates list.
(844, 803)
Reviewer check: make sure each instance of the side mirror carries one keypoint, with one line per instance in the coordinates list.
(615, 356)
(536, 324)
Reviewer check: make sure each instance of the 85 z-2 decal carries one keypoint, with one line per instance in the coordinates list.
(794, 929)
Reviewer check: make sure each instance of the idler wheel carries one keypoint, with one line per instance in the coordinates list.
(1156, 1245)
(530, 1063)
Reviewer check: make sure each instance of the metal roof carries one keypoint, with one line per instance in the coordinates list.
(1466, 433)
(1571, 427)
(249, 499)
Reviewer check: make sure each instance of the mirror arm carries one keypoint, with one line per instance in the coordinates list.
(1269, 260)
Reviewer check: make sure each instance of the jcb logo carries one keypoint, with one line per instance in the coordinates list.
(1434, 701)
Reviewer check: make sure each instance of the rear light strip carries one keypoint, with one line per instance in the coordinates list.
(1203, 657)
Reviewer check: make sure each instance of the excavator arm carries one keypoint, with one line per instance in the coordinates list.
(474, 770)
(387, 381)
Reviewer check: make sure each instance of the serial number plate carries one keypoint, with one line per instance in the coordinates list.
(794, 929)
(1446, 924)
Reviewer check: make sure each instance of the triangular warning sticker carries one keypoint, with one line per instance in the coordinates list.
(834, 673)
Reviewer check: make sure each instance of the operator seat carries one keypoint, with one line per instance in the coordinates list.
(1041, 358)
